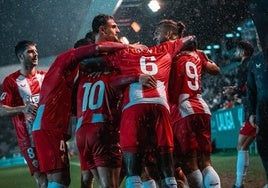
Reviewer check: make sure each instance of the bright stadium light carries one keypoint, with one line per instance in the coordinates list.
(229, 35)
(154, 5)
(216, 46)
(209, 47)
(135, 26)
(207, 51)
(239, 28)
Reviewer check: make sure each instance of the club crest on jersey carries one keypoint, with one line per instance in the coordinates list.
(258, 66)
(35, 98)
(3, 96)
(22, 85)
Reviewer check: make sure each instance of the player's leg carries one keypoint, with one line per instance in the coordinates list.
(86, 136)
(242, 162)
(41, 179)
(147, 180)
(133, 169)
(130, 131)
(87, 179)
(210, 176)
(109, 177)
(116, 176)
(53, 158)
(165, 143)
(179, 174)
(181, 178)
(30, 156)
(167, 169)
(59, 179)
(105, 177)
(191, 169)
(185, 150)
(150, 176)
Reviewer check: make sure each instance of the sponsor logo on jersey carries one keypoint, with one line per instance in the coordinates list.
(35, 98)
(3, 96)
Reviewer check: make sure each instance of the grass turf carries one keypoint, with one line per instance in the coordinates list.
(223, 162)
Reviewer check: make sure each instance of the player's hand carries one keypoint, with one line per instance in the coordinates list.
(30, 108)
(147, 80)
(30, 111)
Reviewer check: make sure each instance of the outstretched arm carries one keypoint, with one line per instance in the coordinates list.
(91, 50)
(10, 111)
(103, 47)
(189, 43)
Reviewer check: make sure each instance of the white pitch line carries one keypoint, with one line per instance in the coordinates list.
(75, 163)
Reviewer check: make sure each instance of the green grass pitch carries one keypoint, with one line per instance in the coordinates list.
(223, 162)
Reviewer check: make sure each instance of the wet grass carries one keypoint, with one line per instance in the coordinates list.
(224, 163)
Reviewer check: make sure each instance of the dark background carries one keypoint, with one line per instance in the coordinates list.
(54, 25)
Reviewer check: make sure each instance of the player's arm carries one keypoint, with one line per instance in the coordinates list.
(210, 67)
(189, 43)
(6, 110)
(124, 80)
(98, 61)
(114, 46)
(11, 111)
(91, 50)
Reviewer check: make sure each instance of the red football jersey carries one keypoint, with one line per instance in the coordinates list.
(96, 100)
(18, 90)
(55, 98)
(155, 61)
(185, 83)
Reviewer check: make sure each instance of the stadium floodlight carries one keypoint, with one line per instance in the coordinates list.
(207, 51)
(154, 5)
(209, 47)
(216, 46)
(229, 35)
(135, 26)
(239, 28)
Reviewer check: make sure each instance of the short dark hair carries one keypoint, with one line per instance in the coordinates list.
(90, 35)
(100, 20)
(177, 28)
(246, 46)
(82, 42)
(22, 45)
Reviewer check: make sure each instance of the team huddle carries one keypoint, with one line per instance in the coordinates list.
(139, 110)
